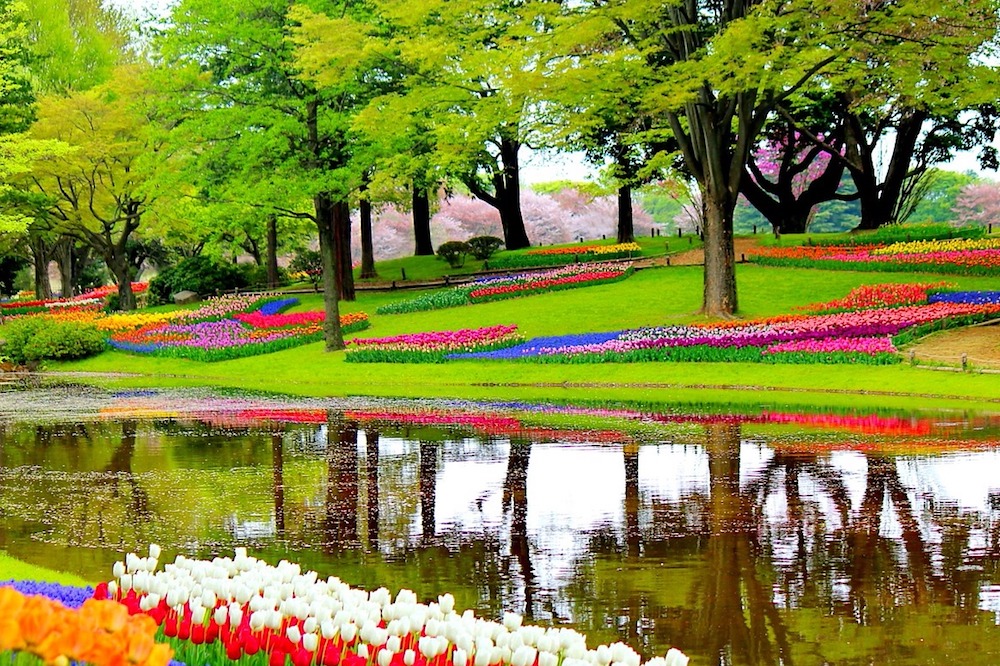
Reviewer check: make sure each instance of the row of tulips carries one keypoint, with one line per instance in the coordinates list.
(967, 257)
(221, 329)
(513, 286)
(92, 300)
(604, 250)
(99, 632)
(247, 607)
(879, 296)
(857, 336)
(431, 347)
(566, 255)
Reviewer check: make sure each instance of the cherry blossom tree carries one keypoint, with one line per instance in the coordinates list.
(978, 203)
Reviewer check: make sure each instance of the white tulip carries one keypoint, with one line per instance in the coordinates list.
(427, 645)
(603, 655)
(348, 632)
(221, 615)
(328, 629)
(447, 603)
(274, 620)
(676, 658)
(258, 619)
(384, 657)
(154, 551)
(394, 644)
(235, 614)
(459, 657)
(118, 569)
(310, 625)
(482, 657)
(363, 651)
(208, 599)
(409, 657)
(512, 621)
(294, 635)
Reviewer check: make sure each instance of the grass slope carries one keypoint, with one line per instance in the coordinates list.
(11, 568)
(651, 297)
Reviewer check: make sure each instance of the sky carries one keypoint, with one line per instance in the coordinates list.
(546, 166)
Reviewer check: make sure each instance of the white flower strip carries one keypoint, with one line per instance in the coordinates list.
(229, 588)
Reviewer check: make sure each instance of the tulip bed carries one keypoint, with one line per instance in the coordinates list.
(501, 287)
(91, 301)
(227, 327)
(866, 335)
(962, 256)
(431, 347)
(566, 255)
(240, 606)
(99, 632)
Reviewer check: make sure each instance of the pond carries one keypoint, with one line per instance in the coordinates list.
(743, 537)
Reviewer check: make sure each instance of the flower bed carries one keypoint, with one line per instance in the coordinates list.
(221, 330)
(858, 336)
(430, 347)
(242, 606)
(90, 301)
(99, 632)
(513, 286)
(566, 255)
(965, 256)
(879, 296)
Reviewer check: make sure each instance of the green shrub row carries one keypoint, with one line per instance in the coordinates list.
(903, 233)
(33, 339)
(508, 261)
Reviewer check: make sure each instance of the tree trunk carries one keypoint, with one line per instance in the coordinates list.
(422, 222)
(64, 257)
(40, 259)
(720, 262)
(367, 248)
(626, 227)
(341, 226)
(332, 335)
(509, 197)
(122, 271)
(272, 252)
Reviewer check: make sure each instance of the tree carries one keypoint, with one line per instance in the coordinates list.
(788, 176)
(96, 193)
(286, 139)
(473, 83)
(978, 203)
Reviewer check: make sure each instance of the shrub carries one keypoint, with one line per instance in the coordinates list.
(307, 265)
(202, 275)
(454, 252)
(32, 339)
(484, 247)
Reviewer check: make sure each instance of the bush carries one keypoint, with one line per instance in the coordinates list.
(484, 247)
(307, 265)
(202, 275)
(32, 339)
(454, 252)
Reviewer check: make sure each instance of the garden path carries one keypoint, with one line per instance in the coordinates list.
(980, 344)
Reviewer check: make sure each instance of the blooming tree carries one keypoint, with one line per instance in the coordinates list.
(978, 203)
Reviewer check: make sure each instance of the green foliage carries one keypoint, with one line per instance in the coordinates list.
(432, 300)
(899, 233)
(484, 247)
(309, 262)
(454, 252)
(33, 339)
(202, 275)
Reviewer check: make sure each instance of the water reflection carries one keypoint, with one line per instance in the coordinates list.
(750, 539)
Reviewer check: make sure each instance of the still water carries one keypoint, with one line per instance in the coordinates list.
(761, 536)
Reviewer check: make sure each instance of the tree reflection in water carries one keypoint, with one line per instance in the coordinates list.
(340, 523)
(515, 502)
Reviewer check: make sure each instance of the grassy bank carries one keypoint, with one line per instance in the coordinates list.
(651, 297)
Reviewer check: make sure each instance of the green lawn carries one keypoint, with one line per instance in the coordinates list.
(650, 297)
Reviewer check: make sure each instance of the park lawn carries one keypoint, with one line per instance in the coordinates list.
(14, 569)
(417, 269)
(649, 298)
